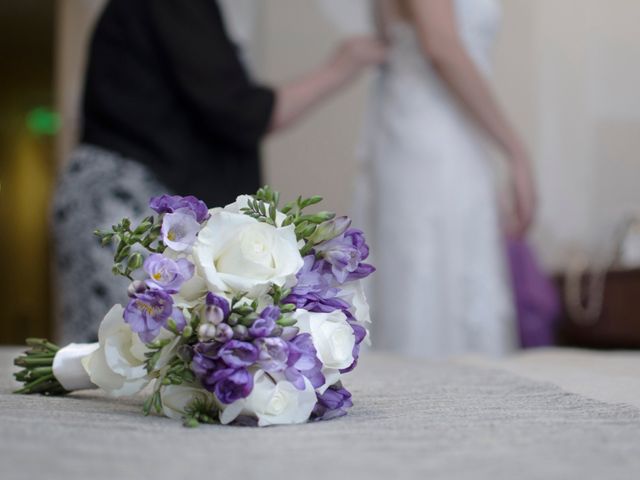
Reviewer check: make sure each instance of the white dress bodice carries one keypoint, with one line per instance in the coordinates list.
(441, 287)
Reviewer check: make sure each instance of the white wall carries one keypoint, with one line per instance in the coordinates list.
(567, 72)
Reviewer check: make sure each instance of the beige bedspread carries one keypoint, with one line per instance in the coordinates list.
(411, 419)
(606, 376)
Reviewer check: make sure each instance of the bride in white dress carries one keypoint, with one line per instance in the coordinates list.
(441, 288)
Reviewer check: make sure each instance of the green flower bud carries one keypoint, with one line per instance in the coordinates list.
(135, 261)
(330, 229)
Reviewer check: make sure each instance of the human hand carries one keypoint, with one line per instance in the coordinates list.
(524, 195)
(357, 53)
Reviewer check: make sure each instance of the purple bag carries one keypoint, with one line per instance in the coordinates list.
(536, 298)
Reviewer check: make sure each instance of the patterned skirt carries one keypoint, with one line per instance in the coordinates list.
(95, 191)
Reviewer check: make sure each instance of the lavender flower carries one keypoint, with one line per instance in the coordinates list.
(167, 274)
(179, 229)
(333, 403)
(273, 354)
(148, 312)
(173, 203)
(217, 309)
(313, 290)
(360, 333)
(303, 361)
(237, 354)
(224, 333)
(235, 386)
(178, 319)
(345, 254)
(228, 383)
(205, 361)
(266, 323)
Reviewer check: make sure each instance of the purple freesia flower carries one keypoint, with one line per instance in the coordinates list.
(235, 386)
(273, 354)
(148, 312)
(179, 229)
(303, 361)
(313, 290)
(217, 308)
(173, 203)
(167, 274)
(333, 403)
(224, 333)
(205, 361)
(360, 333)
(264, 325)
(178, 318)
(237, 354)
(229, 384)
(345, 254)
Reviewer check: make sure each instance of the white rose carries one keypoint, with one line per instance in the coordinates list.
(273, 402)
(333, 339)
(353, 293)
(236, 253)
(118, 365)
(176, 398)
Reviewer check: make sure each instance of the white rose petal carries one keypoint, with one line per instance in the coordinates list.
(117, 366)
(236, 253)
(333, 339)
(353, 293)
(176, 398)
(273, 402)
(193, 289)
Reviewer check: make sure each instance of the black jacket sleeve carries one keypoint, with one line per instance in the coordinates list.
(208, 73)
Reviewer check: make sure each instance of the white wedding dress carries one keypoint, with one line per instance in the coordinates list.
(426, 187)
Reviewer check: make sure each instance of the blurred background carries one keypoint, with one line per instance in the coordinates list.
(567, 73)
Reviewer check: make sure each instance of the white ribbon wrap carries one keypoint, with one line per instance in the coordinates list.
(68, 369)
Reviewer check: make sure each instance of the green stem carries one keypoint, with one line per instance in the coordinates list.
(37, 374)
(28, 388)
(33, 362)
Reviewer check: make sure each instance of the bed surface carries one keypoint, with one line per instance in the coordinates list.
(465, 418)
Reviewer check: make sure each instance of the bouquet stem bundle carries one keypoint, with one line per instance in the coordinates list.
(37, 368)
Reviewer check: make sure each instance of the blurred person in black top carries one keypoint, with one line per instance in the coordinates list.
(169, 107)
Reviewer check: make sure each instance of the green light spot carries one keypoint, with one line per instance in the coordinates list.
(43, 121)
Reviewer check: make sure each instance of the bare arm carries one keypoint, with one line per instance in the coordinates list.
(295, 99)
(436, 27)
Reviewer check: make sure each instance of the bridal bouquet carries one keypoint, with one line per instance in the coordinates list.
(247, 314)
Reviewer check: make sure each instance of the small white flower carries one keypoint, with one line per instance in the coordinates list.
(273, 402)
(118, 365)
(176, 398)
(333, 338)
(236, 253)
